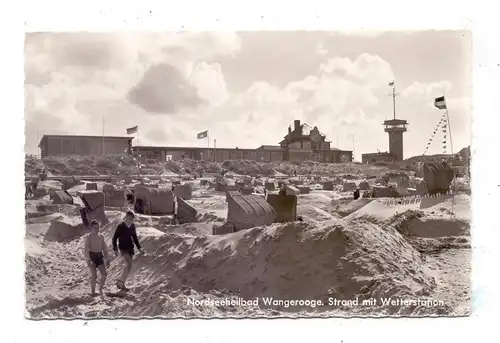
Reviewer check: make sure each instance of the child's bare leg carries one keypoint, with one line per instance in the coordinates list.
(104, 274)
(93, 278)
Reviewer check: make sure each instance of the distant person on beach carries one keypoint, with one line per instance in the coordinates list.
(356, 194)
(175, 217)
(123, 241)
(97, 257)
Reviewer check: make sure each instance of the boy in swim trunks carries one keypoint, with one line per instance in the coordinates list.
(96, 255)
(124, 238)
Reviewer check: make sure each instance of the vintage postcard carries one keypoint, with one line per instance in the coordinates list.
(248, 174)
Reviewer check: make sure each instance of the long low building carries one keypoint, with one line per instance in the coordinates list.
(64, 145)
(156, 153)
(302, 143)
(265, 154)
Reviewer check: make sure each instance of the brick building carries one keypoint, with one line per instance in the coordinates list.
(307, 143)
(300, 144)
(59, 145)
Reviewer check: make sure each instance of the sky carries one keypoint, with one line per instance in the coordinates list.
(246, 88)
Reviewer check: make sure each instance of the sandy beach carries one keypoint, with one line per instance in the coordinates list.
(366, 257)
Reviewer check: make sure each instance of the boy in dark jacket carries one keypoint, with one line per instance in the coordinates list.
(126, 236)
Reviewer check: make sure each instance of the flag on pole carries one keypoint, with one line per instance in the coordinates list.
(202, 135)
(440, 103)
(132, 130)
(391, 84)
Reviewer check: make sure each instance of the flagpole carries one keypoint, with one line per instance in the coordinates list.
(208, 144)
(138, 150)
(353, 149)
(103, 116)
(452, 154)
(394, 98)
(449, 128)
(451, 146)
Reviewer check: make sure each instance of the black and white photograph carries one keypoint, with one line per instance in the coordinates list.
(247, 174)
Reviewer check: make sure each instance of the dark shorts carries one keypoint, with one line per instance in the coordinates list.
(97, 258)
(127, 252)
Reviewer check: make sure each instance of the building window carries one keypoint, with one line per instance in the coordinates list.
(306, 145)
(318, 157)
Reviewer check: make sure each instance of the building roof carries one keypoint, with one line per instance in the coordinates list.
(187, 148)
(306, 130)
(377, 153)
(395, 122)
(44, 137)
(269, 147)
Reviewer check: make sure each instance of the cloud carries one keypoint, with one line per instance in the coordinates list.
(459, 104)
(340, 96)
(209, 81)
(320, 50)
(163, 89)
(79, 78)
(157, 135)
(427, 90)
(366, 69)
